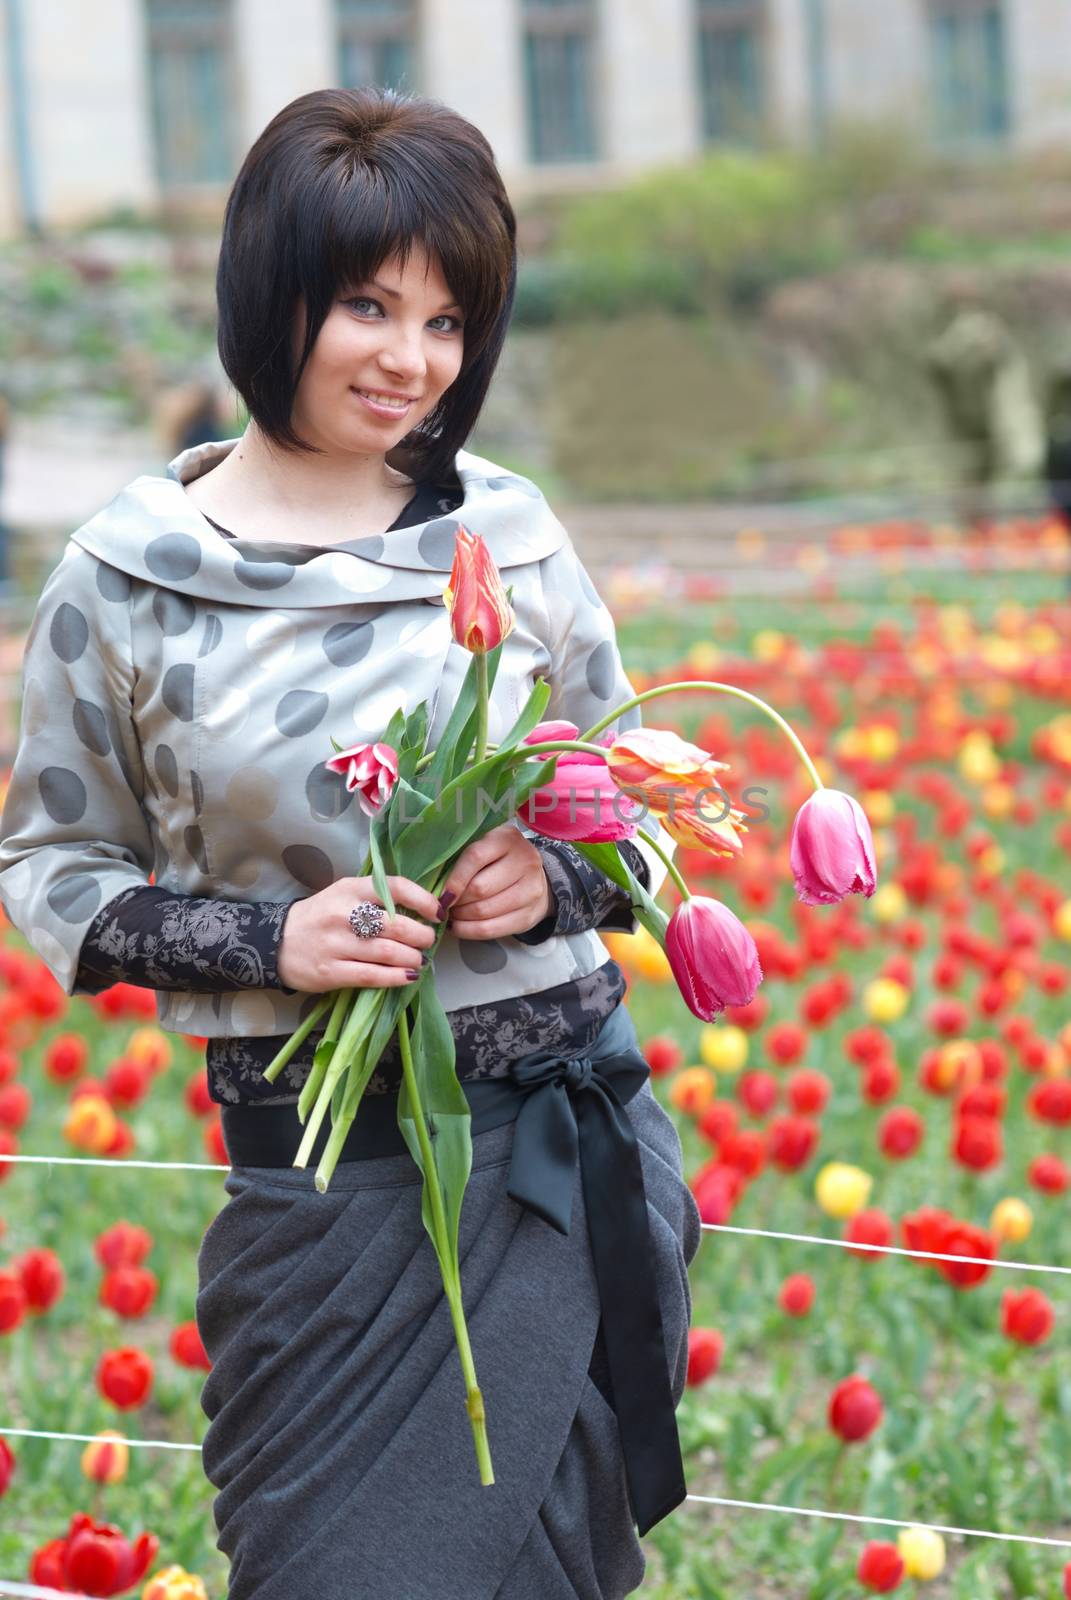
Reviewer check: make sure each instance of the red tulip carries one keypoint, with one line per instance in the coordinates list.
(480, 613)
(100, 1560)
(797, 1295)
(662, 1054)
(124, 1244)
(1050, 1101)
(881, 1568)
(975, 1245)
(1049, 1173)
(12, 1301)
(124, 1377)
(809, 1091)
(718, 1121)
(128, 1291)
(7, 1466)
(855, 1409)
(977, 1143)
(880, 1081)
(42, 1277)
(712, 956)
(832, 849)
(757, 1091)
(705, 1348)
(187, 1347)
(126, 1083)
(785, 1043)
(16, 1102)
(900, 1132)
(746, 1151)
(871, 1227)
(793, 1141)
(1027, 1316)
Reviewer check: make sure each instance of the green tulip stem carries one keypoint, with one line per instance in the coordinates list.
(717, 688)
(672, 870)
(482, 697)
(450, 1274)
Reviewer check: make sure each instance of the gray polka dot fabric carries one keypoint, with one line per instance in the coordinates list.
(181, 691)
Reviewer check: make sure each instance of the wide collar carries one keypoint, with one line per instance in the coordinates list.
(152, 530)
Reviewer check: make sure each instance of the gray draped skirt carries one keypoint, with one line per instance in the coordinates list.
(339, 1442)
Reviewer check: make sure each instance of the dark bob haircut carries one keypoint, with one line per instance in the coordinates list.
(339, 181)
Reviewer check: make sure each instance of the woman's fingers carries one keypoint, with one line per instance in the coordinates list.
(408, 893)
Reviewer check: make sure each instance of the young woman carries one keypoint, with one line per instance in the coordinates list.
(170, 822)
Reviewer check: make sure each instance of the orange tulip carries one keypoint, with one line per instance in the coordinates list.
(480, 612)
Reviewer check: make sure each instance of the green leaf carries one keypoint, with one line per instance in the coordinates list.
(401, 815)
(453, 748)
(447, 1116)
(530, 717)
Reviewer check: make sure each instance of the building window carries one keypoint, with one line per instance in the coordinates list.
(731, 89)
(970, 70)
(191, 90)
(377, 43)
(559, 53)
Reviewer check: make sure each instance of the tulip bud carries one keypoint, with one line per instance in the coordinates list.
(480, 613)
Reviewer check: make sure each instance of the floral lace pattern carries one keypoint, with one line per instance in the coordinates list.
(159, 940)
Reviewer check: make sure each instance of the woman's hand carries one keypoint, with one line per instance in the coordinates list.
(319, 951)
(498, 886)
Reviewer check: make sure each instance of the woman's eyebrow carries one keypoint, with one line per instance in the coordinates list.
(395, 294)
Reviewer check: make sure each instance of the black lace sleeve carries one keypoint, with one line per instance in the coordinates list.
(584, 896)
(158, 940)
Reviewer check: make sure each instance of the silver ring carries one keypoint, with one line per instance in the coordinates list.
(366, 919)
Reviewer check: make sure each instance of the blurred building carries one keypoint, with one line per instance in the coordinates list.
(135, 104)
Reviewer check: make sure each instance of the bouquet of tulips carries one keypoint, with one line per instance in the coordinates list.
(425, 809)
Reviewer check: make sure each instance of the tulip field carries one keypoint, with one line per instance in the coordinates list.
(902, 1080)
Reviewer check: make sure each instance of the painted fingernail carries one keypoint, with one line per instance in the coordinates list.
(445, 901)
(411, 975)
(424, 958)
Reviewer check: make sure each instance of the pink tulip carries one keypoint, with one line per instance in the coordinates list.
(480, 613)
(581, 802)
(713, 957)
(832, 849)
(371, 770)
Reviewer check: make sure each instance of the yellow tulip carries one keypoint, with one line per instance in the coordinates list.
(703, 656)
(998, 800)
(884, 742)
(1012, 1220)
(923, 1552)
(889, 902)
(841, 1189)
(174, 1583)
(1061, 922)
(723, 1046)
(878, 805)
(977, 761)
(885, 1000)
(767, 644)
(107, 1458)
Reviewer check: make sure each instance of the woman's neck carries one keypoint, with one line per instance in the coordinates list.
(261, 491)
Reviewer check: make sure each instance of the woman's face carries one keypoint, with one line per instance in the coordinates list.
(397, 341)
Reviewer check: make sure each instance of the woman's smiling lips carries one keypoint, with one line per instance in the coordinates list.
(380, 406)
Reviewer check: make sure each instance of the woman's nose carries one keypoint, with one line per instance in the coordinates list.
(404, 352)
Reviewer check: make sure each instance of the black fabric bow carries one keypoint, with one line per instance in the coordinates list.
(571, 1106)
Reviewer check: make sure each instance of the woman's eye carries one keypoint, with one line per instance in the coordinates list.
(363, 300)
